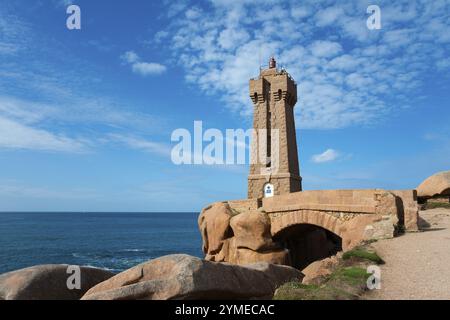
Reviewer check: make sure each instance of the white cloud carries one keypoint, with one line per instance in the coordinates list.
(443, 64)
(30, 125)
(161, 35)
(327, 156)
(8, 49)
(328, 16)
(63, 3)
(193, 13)
(20, 123)
(175, 7)
(231, 38)
(351, 76)
(146, 68)
(300, 12)
(14, 135)
(140, 67)
(399, 37)
(344, 62)
(325, 48)
(80, 110)
(58, 99)
(22, 111)
(20, 190)
(130, 57)
(14, 35)
(141, 144)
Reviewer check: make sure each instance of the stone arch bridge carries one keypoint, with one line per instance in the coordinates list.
(298, 228)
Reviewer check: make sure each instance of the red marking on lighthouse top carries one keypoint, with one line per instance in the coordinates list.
(272, 63)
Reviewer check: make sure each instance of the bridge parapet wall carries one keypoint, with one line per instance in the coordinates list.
(244, 205)
(371, 201)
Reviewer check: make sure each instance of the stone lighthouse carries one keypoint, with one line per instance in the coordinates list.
(274, 167)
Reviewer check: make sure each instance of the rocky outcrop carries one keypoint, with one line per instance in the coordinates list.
(283, 229)
(253, 241)
(185, 277)
(438, 184)
(214, 222)
(243, 256)
(48, 282)
(319, 270)
(238, 238)
(252, 231)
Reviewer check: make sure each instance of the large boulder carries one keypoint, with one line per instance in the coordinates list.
(318, 270)
(185, 277)
(252, 231)
(48, 282)
(244, 256)
(438, 184)
(238, 238)
(214, 225)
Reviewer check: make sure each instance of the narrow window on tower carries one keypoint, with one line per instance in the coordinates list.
(269, 140)
(269, 126)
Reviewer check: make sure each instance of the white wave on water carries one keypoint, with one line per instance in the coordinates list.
(103, 268)
(133, 250)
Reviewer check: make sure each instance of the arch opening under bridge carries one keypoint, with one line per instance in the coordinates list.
(308, 243)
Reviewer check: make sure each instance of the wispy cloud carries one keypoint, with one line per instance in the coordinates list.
(13, 34)
(352, 76)
(63, 3)
(140, 67)
(57, 98)
(14, 135)
(20, 190)
(141, 144)
(29, 125)
(326, 156)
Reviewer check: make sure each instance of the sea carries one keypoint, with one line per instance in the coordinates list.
(112, 241)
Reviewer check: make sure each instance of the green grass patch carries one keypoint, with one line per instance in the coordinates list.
(343, 284)
(361, 253)
(351, 275)
(302, 292)
(348, 281)
(435, 205)
(299, 285)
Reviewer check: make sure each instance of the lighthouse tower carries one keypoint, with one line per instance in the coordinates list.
(274, 95)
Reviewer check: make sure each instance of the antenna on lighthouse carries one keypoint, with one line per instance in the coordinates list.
(259, 61)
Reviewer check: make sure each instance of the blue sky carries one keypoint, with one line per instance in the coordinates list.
(86, 115)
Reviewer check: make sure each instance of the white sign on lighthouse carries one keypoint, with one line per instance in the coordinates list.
(269, 190)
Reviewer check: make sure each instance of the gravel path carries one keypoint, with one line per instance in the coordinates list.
(417, 264)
